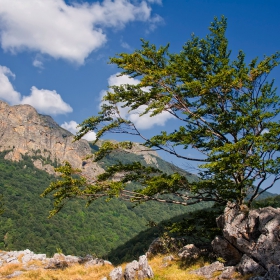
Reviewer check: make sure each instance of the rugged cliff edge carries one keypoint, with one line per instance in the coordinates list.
(24, 131)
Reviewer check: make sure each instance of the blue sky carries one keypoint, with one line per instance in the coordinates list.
(54, 53)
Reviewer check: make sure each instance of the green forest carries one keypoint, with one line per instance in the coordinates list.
(98, 229)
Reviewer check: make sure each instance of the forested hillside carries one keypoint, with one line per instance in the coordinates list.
(76, 230)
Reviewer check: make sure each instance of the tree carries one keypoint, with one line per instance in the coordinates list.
(227, 112)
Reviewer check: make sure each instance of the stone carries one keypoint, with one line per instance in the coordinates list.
(226, 251)
(209, 270)
(168, 258)
(189, 252)
(116, 274)
(255, 233)
(227, 273)
(131, 270)
(72, 259)
(13, 260)
(138, 270)
(273, 273)
(58, 261)
(249, 266)
(145, 271)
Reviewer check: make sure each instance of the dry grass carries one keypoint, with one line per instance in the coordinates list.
(75, 272)
(9, 269)
(173, 270)
(163, 270)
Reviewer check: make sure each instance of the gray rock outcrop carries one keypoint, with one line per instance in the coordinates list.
(116, 273)
(254, 235)
(209, 270)
(135, 270)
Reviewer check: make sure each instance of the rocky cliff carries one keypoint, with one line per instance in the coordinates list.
(25, 132)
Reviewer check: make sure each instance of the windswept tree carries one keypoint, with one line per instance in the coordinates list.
(227, 110)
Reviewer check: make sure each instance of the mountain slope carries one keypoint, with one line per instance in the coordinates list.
(75, 230)
(31, 144)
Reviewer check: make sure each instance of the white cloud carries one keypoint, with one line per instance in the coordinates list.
(72, 127)
(46, 101)
(62, 30)
(7, 91)
(141, 122)
(37, 63)
(43, 100)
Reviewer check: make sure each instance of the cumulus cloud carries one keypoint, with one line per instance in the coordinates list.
(46, 101)
(67, 31)
(72, 127)
(43, 100)
(141, 122)
(7, 91)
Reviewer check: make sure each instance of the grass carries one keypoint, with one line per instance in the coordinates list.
(163, 270)
(173, 270)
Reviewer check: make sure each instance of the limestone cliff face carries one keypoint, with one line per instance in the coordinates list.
(24, 131)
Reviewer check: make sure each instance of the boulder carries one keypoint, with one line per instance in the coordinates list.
(189, 252)
(116, 273)
(254, 234)
(228, 273)
(249, 266)
(226, 251)
(145, 271)
(138, 270)
(209, 270)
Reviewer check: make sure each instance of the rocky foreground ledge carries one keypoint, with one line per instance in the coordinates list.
(31, 261)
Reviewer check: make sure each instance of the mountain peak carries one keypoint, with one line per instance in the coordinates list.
(25, 132)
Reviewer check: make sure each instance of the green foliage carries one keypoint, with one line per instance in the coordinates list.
(198, 227)
(273, 201)
(226, 110)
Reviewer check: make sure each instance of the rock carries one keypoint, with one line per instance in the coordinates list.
(227, 273)
(72, 259)
(12, 260)
(131, 270)
(138, 270)
(207, 271)
(249, 266)
(24, 131)
(168, 258)
(116, 274)
(189, 252)
(225, 250)
(273, 273)
(145, 271)
(255, 233)
(94, 262)
(58, 261)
